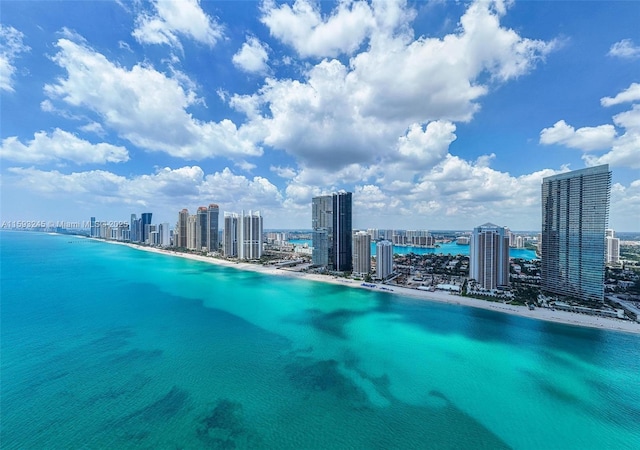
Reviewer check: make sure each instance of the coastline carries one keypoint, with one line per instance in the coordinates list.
(563, 317)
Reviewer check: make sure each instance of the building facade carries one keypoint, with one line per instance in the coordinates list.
(361, 253)
(202, 229)
(230, 235)
(384, 259)
(342, 250)
(146, 220)
(180, 233)
(212, 227)
(322, 226)
(613, 247)
(575, 211)
(489, 256)
(250, 236)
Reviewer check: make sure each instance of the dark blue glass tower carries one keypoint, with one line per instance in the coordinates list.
(146, 220)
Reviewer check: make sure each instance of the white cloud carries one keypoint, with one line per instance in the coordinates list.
(422, 149)
(144, 106)
(586, 138)
(340, 114)
(303, 27)
(165, 190)
(283, 172)
(11, 45)
(93, 127)
(623, 149)
(252, 57)
(625, 49)
(631, 94)
(625, 204)
(173, 18)
(60, 146)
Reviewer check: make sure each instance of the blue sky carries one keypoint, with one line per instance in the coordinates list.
(436, 115)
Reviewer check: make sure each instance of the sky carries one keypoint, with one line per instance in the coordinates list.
(435, 114)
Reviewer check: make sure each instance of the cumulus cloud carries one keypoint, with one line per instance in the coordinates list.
(144, 106)
(302, 26)
(59, 146)
(11, 45)
(631, 94)
(166, 189)
(421, 148)
(623, 149)
(339, 113)
(252, 57)
(173, 18)
(586, 138)
(625, 49)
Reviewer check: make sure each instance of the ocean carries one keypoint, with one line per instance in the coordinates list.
(105, 346)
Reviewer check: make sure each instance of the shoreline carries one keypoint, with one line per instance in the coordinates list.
(563, 317)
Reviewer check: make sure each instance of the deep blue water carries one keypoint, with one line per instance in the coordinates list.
(443, 249)
(104, 346)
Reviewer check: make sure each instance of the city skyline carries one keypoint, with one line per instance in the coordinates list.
(436, 115)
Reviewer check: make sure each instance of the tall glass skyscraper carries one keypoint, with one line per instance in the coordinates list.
(342, 232)
(230, 239)
(212, 223)
(332, 231)
(575, 210)
(321, 224)
(202, 229)
(146, 220)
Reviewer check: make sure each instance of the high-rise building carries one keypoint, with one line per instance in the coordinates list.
(92, 232)
(148, 229)
(133, 235)
(230, 235)
(192, 231)
(321, 247)
(146, 220)
(331, 221)
(489, 256)
(180, 233)
(575, 210)
(613, 248)
(212, 227)
(165, 236)
(384, 259)
(362, 253)
(250, 236)
(342, 232)
(322, 226)
(202, 229)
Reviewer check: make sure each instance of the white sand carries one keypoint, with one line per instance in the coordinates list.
(564, 317)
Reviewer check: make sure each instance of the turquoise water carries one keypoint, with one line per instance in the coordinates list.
(444, 249)
(104, 346)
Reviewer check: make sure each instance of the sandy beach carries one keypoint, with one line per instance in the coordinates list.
(437, 296)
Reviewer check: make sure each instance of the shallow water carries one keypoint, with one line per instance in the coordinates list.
(104, 346)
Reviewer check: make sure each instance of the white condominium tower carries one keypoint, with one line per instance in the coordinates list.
(250, 236)
(489, 256)
(361, 253)
(384, 259)
(613, 248)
